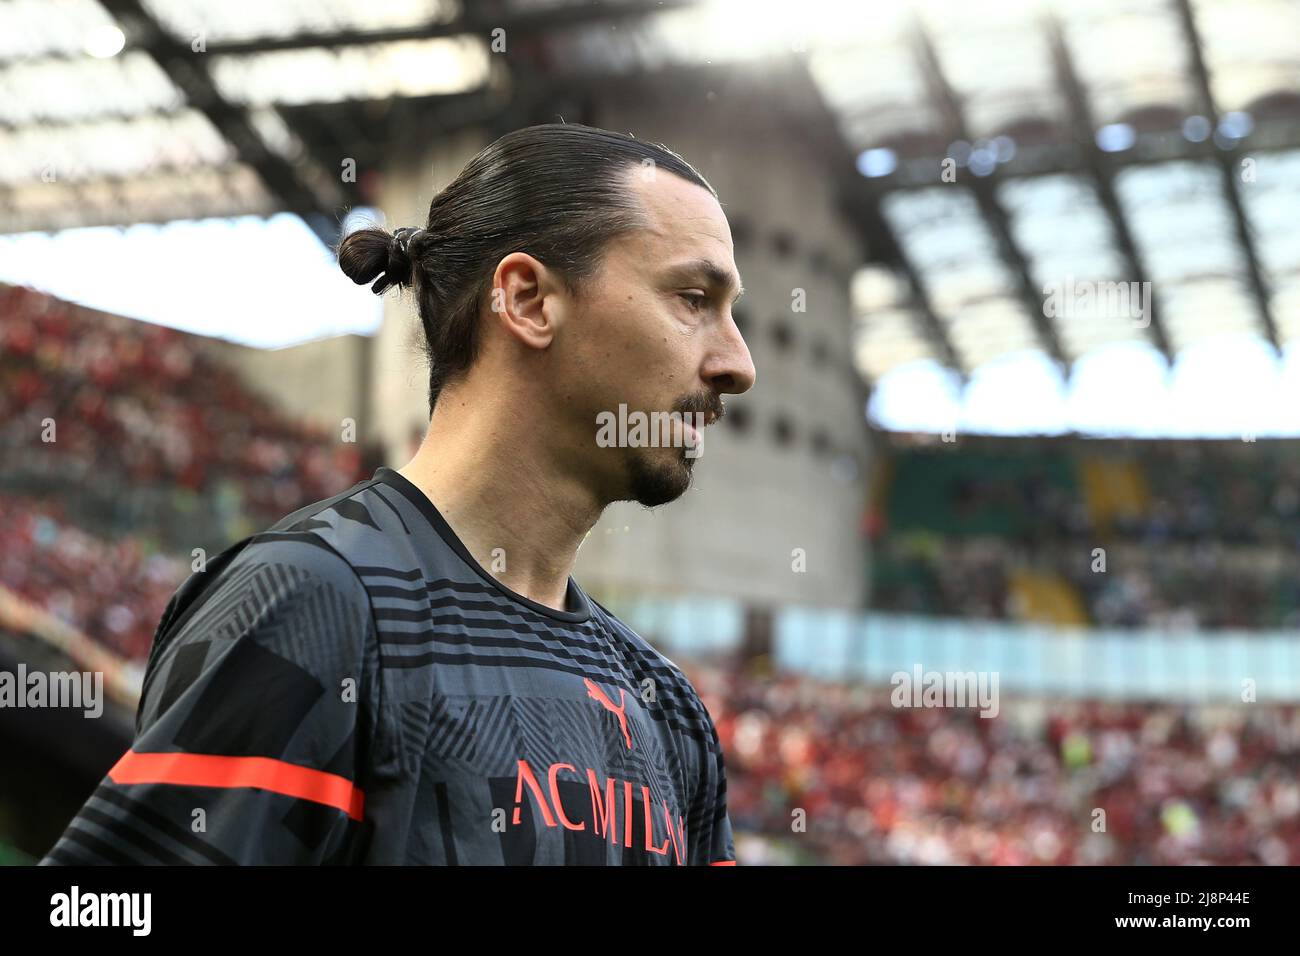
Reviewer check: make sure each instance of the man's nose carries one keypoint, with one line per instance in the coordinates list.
(730, 370)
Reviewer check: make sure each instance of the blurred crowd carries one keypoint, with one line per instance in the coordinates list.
(112, 591)
(820, 772)
(1233, 492)
(1169, 535)
(136, 404)
(121, 441)
(1205, 586)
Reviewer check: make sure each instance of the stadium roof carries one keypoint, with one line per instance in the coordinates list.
(1091, 140)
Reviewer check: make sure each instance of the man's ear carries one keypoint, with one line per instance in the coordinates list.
(526, 300)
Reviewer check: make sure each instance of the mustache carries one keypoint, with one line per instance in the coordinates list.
(709, 404)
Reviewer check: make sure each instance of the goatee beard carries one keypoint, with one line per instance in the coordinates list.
(657, 482)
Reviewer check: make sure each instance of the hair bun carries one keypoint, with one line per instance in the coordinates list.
(398, 269)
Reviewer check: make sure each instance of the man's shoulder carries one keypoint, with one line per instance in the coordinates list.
(290, 592)
(295, 559)
(311, 549)
(631, 636)
(681, 691)
(364, 527)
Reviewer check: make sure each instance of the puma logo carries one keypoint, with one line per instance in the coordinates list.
(596, 694)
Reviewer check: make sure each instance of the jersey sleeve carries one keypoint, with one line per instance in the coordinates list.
(253, 724)
(713, 844)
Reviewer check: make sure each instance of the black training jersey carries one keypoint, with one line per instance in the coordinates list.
(350, 686)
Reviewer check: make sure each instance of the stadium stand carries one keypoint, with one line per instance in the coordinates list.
(1074, 531)
(1178, 783)
(114, 473)
(110, 404)
(128, 451)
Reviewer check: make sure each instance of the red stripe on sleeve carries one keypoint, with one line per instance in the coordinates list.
(263, 773)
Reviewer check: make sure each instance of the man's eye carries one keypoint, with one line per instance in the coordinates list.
(697, 300)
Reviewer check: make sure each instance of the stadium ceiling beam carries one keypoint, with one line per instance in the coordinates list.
(1100, 166)
(281, 177)
(480, 15)
(368, 130)
(1225, 160)
(100, 201)
(949, 107)
(861, 203)
(493, 107)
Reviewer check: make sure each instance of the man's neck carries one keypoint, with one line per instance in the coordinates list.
(500, 485)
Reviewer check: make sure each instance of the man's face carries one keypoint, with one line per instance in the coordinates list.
(654, 332)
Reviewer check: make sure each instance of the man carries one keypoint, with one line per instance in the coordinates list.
(355, 684)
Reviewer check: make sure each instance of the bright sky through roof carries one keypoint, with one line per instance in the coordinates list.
(265, 282)
(1224, 387)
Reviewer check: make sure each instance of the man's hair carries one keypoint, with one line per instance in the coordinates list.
(558, 191)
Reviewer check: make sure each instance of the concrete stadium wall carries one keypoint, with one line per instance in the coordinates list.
(322, 382)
